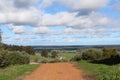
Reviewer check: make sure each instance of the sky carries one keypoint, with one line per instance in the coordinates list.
(60, 22)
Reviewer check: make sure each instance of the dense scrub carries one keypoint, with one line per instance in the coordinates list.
(54, 54)
(44, 53)
(13, 57)
(98, 55)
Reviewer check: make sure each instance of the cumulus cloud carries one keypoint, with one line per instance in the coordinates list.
(24, 3)
(18, 37)
(11, 14)
(20, 17)
(17, 29)
(35, 17)
(81, 18)
(5, 37)
(83, 6)
(72, 20)
(58, 19)
(42, 30)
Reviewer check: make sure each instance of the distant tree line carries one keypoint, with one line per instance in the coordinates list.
(28, 49)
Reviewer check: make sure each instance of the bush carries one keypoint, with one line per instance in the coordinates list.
(54, 61)
(88, 54)
(45, 61)
(18, 58)
(30, 50)
(54, 54)
(11, 58)
(58, 60)
(92, 54)
(44, 53)
(4, 61)
(109, 52)
(77, 58)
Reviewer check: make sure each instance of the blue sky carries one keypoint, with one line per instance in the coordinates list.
(60, 22)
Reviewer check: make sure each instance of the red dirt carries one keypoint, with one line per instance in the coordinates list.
(55, 71)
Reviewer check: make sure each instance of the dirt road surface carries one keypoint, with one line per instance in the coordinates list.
(55, 71)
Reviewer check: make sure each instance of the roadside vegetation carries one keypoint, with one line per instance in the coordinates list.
(8, 58)
(16, 72)
(99, 64)
(53, 56)
(99, 71)
(14, 63)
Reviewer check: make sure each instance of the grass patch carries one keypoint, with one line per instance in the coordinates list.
(102, 72)
(12, 72)
(68, 56)
(38, 58)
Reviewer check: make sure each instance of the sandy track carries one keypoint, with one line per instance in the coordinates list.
(55, 71)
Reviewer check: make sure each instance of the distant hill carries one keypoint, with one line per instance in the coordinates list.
(39, 48)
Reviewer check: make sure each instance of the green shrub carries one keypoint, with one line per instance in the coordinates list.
(54, 54)
(109, 52)
(92, 54)
(18, 58)
(77, 57)
(11, 58)
(4, 61)
(88, 54)
(44, 53)
(54, 61)
(30, 50)
(45, 61)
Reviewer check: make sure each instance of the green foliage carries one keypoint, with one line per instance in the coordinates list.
(54, 54)
(88, 54)
(68, 56)
(30, 50)
(18, 58)
(44, 53)
(109, 75)
(97, 54)
(4, 58)
(92, 54)
(14, 72)
(109, 52)
(101, 71)
(77, 57)
(45, 60)
(12, 58)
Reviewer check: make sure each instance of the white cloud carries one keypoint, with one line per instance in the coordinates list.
(46, 3)
(20, 13)
(58, 19)
(78, 5)
(42, 30)
(5, 37)
(24, 3)
(35, 17)
(17, 29)
(20, 17)
(116, 5)
(72, 40)
(84, 4)
(72, 20)
(18, 37)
